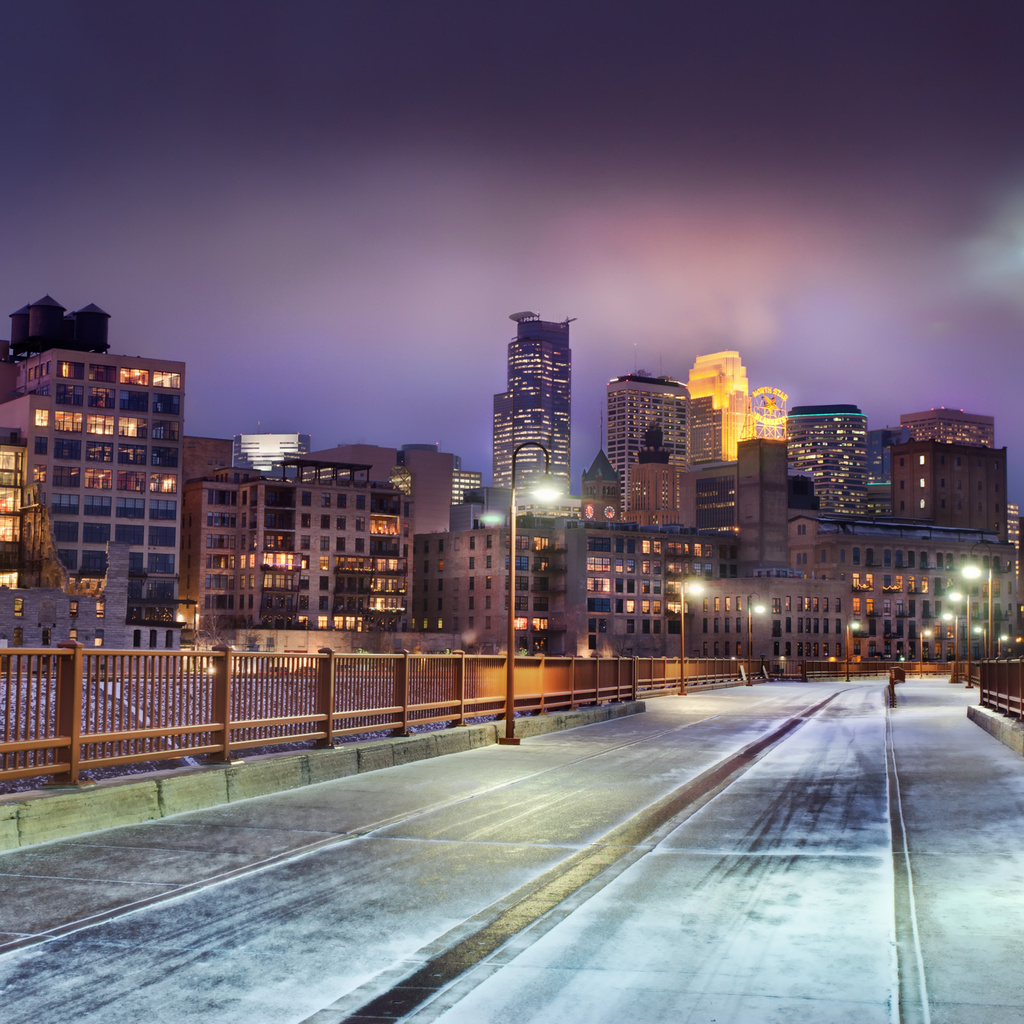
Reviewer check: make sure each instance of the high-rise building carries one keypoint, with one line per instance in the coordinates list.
(535, 405)
(880, 441)
(829, 442)
(953, 426)
(104, 452)
(635, 403)
(264, 452)
(720, 407)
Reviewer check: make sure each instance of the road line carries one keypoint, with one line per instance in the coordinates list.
(912, 999)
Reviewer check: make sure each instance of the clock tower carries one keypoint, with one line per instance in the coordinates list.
(601, 491)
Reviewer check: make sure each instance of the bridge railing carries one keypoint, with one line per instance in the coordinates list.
(1001, 685)
(70, 709)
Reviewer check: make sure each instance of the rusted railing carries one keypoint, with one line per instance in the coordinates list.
(70, 709)
(1001, 686)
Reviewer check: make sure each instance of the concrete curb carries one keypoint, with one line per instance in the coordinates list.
(60, 813)
(1009, 731)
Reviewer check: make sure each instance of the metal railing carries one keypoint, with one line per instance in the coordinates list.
(1001, 685)
(67, 710)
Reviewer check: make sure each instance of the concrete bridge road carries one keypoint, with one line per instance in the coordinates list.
(787, 852)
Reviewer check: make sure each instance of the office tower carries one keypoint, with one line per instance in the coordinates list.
(956, 485)
(635, 403)
(951, 425)
(103, 453)
(265, 452)
(655, 484)
(829, 442)
(720, 407)
(535, 405)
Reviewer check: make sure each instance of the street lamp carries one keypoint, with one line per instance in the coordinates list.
(751, 608)
(546, 490)
(1002, 640)
(955, 597)
(694, 587)
(974, 575)
(851, 628)
(969, 573)
(926, 636)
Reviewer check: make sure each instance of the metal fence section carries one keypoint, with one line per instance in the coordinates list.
(67, 710)
(1002, 686)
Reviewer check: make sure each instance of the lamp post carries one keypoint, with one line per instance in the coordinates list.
(751, 608)
(955, 597)
(974, 575)
(546, 490)
(851, 628)
(694, 587)
(926, 636)
(969, 572)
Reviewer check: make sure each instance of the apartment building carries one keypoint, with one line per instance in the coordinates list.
(611, 588)
(320, 547)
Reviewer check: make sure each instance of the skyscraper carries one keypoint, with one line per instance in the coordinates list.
(829, 443)
(635, 403)
(719, 407)
(535, 405)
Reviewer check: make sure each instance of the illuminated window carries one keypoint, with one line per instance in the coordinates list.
(165, 379)
(100, 479)
(131, 375)
(70, 422)
(101, 398)
(163, 483)
(74, 371)
(132, 426)
(42, 417)
(98, 424)
(19, 607)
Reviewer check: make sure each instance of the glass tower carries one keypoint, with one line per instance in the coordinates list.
(535, 406)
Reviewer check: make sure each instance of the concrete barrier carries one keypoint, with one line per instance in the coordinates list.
(58, 812)
(1009, 731)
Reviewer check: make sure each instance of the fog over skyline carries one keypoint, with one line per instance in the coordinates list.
(329, 209)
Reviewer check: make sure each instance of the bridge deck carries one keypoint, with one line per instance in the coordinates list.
(788, 852)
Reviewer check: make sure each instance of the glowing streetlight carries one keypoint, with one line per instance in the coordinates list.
(751, 609)
(1002, 640)
(852, 626)
(693, 587)
(545, 491)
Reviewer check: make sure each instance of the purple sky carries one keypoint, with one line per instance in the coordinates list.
(329, 209)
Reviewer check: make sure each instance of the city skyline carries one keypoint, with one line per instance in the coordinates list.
(334, 208)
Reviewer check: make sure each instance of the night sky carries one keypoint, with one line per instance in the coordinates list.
(329, 209)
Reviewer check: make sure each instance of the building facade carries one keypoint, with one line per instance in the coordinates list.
(263, 452)
(901, 577)
(103, 452)
(535, 405)
(956, 485)
(611, 589)
(720, 407)
(829, 444)
(321, 547)
(635, 403)
(953, 426)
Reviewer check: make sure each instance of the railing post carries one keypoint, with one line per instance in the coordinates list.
(69, 708)
(460, 685)
(221, 655)
(325, 694)
(402, 695)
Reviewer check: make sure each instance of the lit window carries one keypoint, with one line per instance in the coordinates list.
(97, 424)
(132, 426)
(165, 379)
(131, 375)
(42, 417)
(163, 483)
(67, 421)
